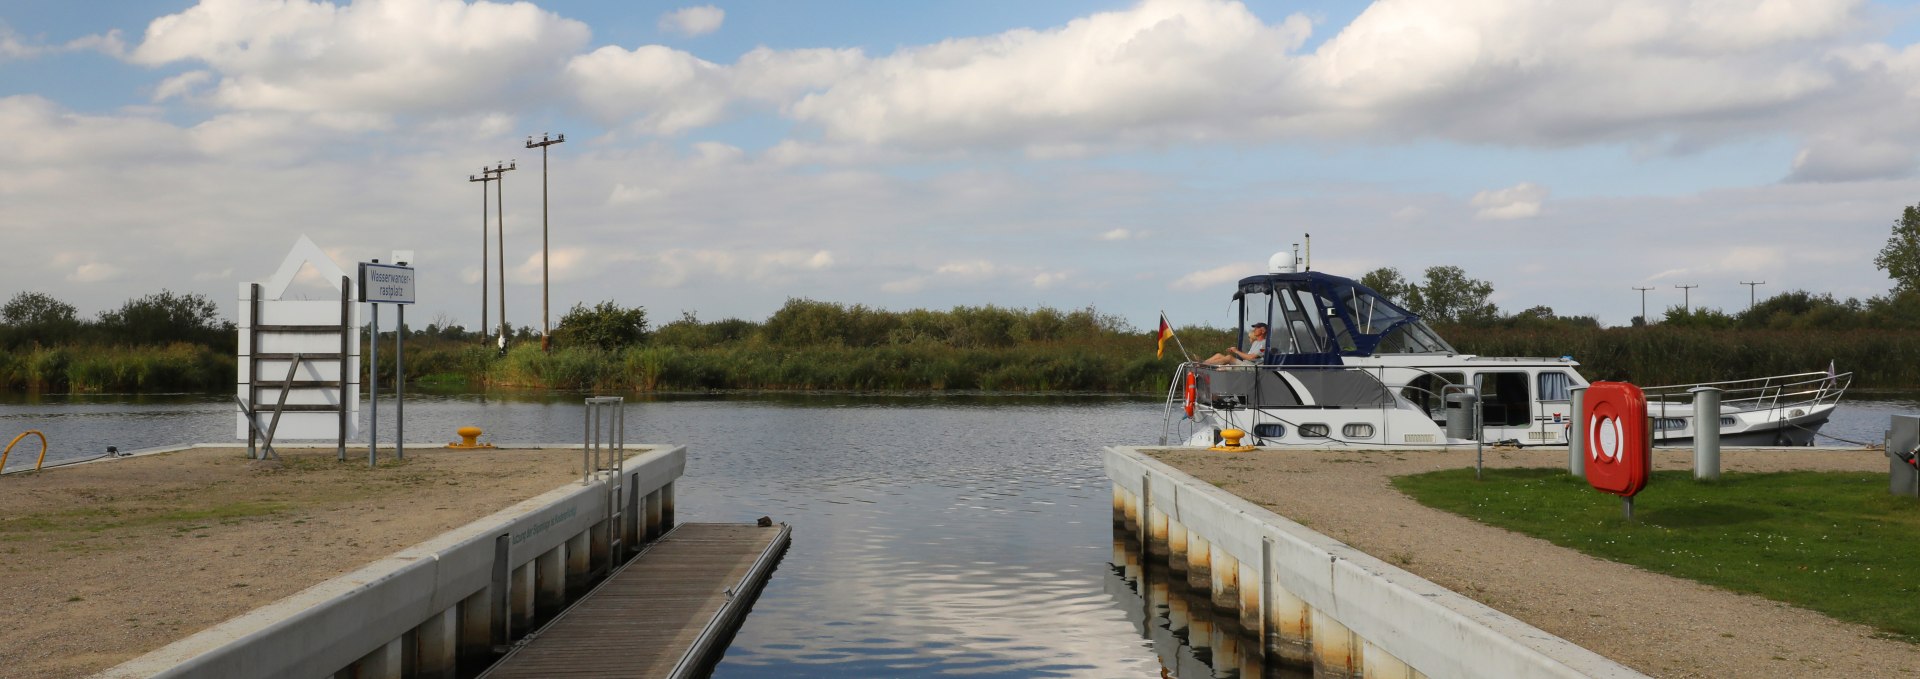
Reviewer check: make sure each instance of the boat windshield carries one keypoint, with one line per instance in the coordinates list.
(1315, 313)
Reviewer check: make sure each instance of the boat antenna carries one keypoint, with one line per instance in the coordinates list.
(1309, 251)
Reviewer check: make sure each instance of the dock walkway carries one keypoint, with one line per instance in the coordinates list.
(662, 614)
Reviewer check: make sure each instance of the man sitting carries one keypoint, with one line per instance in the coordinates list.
(1255, 349)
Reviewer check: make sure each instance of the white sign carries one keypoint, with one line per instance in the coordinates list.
(386, 283)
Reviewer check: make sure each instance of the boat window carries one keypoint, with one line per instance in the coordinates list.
(1257, 307)
(1413, 338)
(1424, 391)
(1504, 401)
(1554, 386)
(1314, 431)
(1299, 325)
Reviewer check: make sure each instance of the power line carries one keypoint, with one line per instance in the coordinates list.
(483, 179)
(546, 322)
(1750, 287)
(499, 172)
(1643, 303)
(1686, 296)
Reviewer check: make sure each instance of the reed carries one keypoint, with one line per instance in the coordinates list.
(172, 367)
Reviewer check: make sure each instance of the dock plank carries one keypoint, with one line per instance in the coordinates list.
(650, 615)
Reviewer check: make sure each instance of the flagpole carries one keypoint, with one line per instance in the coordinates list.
(1176, 337)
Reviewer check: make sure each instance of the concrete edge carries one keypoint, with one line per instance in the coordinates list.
(1438, 631)
(336, 621)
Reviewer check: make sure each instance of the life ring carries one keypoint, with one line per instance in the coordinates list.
(1190, 396)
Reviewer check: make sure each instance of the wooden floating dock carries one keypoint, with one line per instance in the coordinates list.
(661, 615)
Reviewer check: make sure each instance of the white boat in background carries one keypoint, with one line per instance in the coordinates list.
(1346, 367)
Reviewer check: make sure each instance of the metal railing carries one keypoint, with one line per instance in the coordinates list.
(1802, 390)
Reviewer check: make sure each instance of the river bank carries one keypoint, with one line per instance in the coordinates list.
(102, 562)
(1660, 625)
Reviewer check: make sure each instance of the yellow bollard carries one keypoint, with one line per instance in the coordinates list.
(1230, 442)
(469, 439)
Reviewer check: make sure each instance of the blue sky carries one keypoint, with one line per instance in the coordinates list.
(1132, 156)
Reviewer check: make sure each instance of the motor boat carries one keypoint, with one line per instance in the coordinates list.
(1344, 366)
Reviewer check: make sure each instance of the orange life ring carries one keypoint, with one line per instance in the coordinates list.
(1190, 396)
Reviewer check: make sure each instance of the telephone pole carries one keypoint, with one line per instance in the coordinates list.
(1643, 304)
(1686, 296)
(483, 179)
(499, 173)
(1750, 287)
(546, 317)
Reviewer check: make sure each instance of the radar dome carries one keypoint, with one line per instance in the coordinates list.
(1282, 262)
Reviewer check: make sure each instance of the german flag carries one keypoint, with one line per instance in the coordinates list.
(1166, 331)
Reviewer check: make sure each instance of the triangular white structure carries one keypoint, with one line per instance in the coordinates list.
(303, 252)
(300, 357)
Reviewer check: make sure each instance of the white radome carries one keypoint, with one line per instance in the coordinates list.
(1281, 262)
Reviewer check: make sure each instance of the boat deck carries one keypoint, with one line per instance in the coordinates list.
(663, 614)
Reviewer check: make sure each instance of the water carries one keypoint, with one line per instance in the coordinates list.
(932, 535)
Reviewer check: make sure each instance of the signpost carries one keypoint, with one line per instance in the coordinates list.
(1619, 444)
(387, 284)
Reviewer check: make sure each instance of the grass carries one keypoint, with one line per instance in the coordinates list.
(1833, 542)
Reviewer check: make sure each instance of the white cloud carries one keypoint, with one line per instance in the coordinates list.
(660, 90)
(12, 48)
(378, 57)
(1519, 201)
(1211, 279)
(93, 272)
(1047, 279)
(693, 20)
(1123, 235)
(181, 85)
(976, 268)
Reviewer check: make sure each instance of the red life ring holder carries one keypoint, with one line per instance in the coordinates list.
(1190, 396)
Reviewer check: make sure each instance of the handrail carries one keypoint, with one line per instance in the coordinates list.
(16, 440)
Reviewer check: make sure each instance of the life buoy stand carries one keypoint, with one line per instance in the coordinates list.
(1190, 396)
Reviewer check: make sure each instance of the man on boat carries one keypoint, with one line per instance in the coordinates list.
(1255, 349)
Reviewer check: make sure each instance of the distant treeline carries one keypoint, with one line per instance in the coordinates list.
(159, 342)
(169, 342)
(813, 345)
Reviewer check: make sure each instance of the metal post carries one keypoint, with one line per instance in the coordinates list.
(1626, 506)
(373, 391)
(348, 370)
(1706, 433)
(1643, 304)
(500, 230)
(400, 384)
(483, 179)
(1686, 299)
(546, 319)
(1577, 435)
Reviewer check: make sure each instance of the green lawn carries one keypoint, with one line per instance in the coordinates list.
(1832, 542)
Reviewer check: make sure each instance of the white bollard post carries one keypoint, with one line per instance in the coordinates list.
(1706, 433)
(1577, 435)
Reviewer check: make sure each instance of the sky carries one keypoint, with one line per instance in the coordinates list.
(1136, 157)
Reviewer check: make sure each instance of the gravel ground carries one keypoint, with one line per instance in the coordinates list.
(1657, 624)
(100, 563)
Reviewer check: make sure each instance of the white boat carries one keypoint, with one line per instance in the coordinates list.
(1346, 367)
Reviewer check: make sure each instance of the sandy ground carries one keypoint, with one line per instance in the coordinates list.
(1660, 625)
(100, 563)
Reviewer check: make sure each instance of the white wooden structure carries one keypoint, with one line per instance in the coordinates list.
(314, 341)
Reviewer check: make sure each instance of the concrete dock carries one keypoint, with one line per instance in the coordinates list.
(663, 614)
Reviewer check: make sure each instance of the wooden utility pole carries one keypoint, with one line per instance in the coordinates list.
(546, 298)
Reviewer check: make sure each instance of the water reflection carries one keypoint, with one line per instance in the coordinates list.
(1191, 638)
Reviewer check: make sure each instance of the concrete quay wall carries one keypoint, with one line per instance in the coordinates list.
(446, 606)
(1307, 598)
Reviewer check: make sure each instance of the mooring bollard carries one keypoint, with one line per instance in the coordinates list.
(1577, 435)
(1706, 433)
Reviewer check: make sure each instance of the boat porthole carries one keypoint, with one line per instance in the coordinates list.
(1357, 430)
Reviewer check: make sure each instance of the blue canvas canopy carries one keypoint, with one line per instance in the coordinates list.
(1315, 318)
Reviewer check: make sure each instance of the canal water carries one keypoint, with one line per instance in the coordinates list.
(933, 535)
